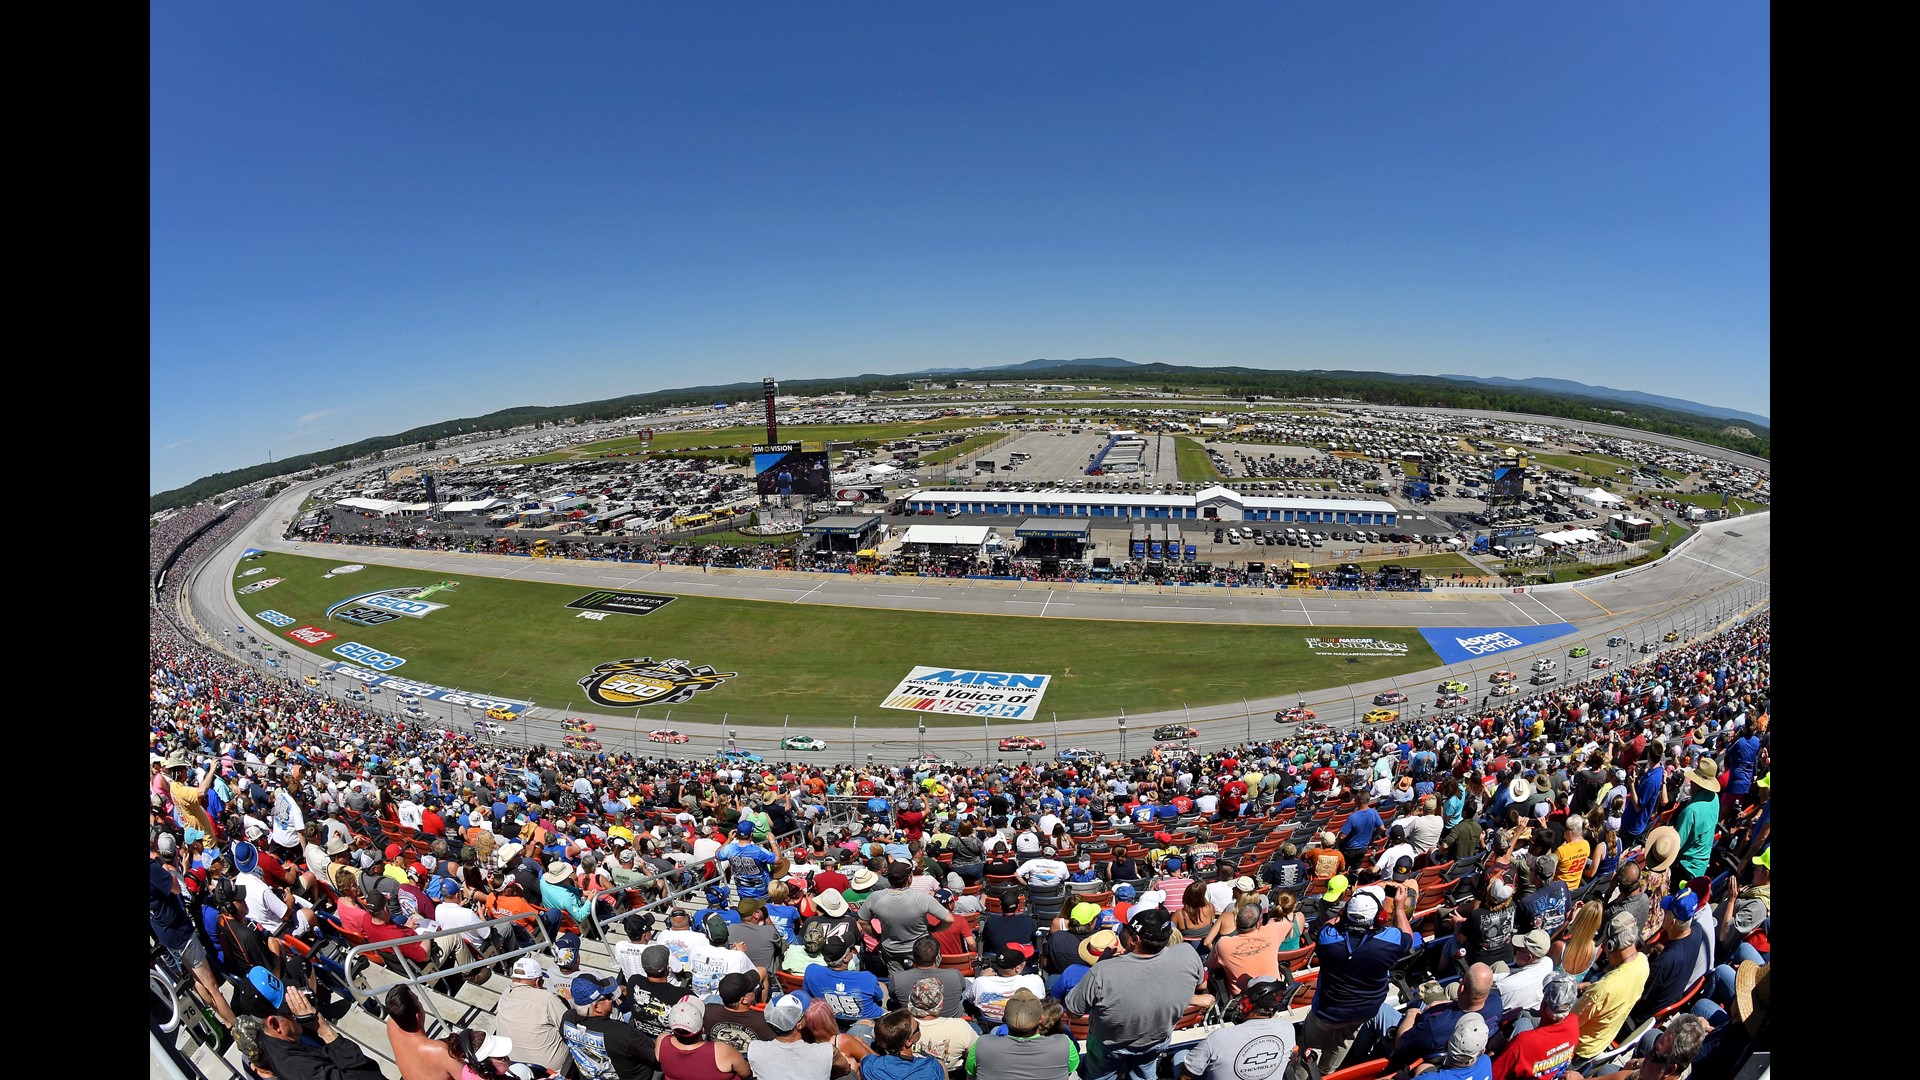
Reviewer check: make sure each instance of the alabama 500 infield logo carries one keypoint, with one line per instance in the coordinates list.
(641, 681)
(386, 605)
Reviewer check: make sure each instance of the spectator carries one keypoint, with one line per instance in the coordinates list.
(1025, 1051)
(1603, 1008)
(926, 965)
(654, 991)
(532, 1017)
(905, 915)
(1520, 987)
(1132, 1000)
(1682, 958)
(856, 996)
(301, 1045)
(684, 1055)
(733, 1019)
(717, 957)
(1258, 1043)
(788, 1054)
(1484, 925)
(895, 1056)
(1544, 906)
(1544, 1051)
(989, 993)
(604, 1048)
(1465, 1057)
(1252, 951)
(1425, 1031)
(414, 1054)
(1355, 962)
(1698, 818)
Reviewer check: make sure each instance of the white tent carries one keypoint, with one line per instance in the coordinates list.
(1602, 498)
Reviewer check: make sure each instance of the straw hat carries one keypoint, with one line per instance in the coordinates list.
(1663, 846)
(1751, 995)
(1705, 774)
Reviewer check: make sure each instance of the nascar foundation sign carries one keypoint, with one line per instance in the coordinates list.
(1004, 695)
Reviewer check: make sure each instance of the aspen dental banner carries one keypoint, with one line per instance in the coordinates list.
(1457, 644)
(1003, 695)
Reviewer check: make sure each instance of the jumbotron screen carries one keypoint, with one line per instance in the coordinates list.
(1509, 482)
(798, 468)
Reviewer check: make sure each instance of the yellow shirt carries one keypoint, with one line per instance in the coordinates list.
(1573, 861)
(191, 802)
(1603, 1008)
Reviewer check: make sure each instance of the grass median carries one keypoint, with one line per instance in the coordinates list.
(815, 664)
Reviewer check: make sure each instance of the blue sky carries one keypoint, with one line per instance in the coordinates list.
(370, 216)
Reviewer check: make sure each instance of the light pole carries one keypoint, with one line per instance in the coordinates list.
(1249, 711)
(986, 738)
(923, 738)
(1056, 730)
(783, 727)
(856, 738)
(1123, 735)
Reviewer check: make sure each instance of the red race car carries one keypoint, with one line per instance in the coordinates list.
(1023, 742)
(574, 723)
(579, 742)
(666, 735)
(1295, 716)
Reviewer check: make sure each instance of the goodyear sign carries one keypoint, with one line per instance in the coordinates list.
(1003, 695)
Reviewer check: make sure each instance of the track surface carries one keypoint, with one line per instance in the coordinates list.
(1720, 574)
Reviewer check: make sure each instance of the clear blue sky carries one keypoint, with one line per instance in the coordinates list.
(371, 216)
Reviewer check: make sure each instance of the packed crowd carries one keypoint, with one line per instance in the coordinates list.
(1503, 894)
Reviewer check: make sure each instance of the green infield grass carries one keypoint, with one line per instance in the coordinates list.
(1193, 463)
(736, 440)
(821, 665)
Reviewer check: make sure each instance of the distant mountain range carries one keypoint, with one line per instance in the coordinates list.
(1562, 387)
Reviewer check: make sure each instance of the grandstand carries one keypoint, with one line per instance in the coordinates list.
(1643, 789)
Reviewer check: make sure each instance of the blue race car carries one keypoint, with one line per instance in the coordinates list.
(738, 756)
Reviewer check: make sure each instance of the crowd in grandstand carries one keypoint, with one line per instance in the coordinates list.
(1574, 882)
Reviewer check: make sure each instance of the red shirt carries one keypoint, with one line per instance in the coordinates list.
(910, 820)
(432, 824)
(1541, 1054)
(1321, 779)
(379, 931)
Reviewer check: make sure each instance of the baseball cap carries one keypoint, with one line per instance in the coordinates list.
(528, 968)
(785, 1015)
(1084, 913)
(1403, 868)
(1362, 910)
(1153, 924)
(269, 987)
(1243, 883)
(927, 998)
(1123, 891)
(165, 844)
(1560, 992)
(654, 959)
(586, 989)
(1623, 931)
(745, 828)
(393, 851)
(1469, 1040)
(1765, 858)
(256, 832)
(1537, 942)
(688, 1016)
(1681, 905)
(1012, 953)
(716, 929)
(735, 985)
(1498, 890)
(566, 949)
(1336, 888)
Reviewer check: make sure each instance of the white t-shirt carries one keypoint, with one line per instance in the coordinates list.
(1249, 1050)
(451, 916)
(990, 992)
(264, 907)
(704, 848)
(710, 963)
(1220, 895)
(1424, 832)
(1392, 855)
(1042, 873)
(680, 945)
(1027, 843)
(408, 812)
(1207, 803)
(1521, 988)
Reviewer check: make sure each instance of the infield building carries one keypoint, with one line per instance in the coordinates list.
(1208, 504)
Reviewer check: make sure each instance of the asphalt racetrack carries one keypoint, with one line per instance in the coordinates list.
(1718, 576)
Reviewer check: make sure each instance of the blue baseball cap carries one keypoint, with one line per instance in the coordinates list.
(586, 989)
(1681, 905)
(269, 986)
(440, 888)
(566, 950)
(745, 828)
(246, 858)
(1123, 891)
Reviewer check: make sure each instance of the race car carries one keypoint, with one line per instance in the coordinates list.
(1545, 663)
(930, 762)
(802, 742)
(739, 756)
(354, 694)
(1616, 641)
(311, 681)
(1294, 716)
(1577, 652)
(1175, 731)
(1023, 742)
(326, 676)
(1505, 689)
(1079, 753)
(666, 735)
(1450, 701)
(488, 727)
(415, 712)
(1315, 730)
(1503, 677)
(574, 723)
(1389, 697)
(409, 699)
(1601, 662)
(1541, 678)
(579, 742)
(1453, 686)
(1672, 635)
(1381, 716)
(498, 713)
(1170, 748)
